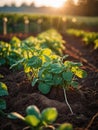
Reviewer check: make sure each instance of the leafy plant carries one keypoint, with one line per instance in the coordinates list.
(55, 73)
(4, 51)
(53, 40)
(34, 59)
(8, 53)
(15, 43)
(38, 120)
(87, 37)
(3, 92)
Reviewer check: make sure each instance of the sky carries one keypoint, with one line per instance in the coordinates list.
(53, 3)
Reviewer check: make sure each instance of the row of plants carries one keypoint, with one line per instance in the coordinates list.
(87, 37)
(13, 51)
(45, 69)
(15, 22)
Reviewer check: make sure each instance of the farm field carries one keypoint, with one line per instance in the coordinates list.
(83, 98)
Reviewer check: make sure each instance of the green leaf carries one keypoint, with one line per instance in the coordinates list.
(49, 115)
(65, 126)
(48, 76)
(56, 68)
(3, 89)
(32, 120)
(44, 75)
(49, 82)
(19, 62)
(57, 80)
(74, 84)
(67, 76)
(79, 72)
(77, 64)
(67, 64)
(44, 88)
(70, 64)
(47, 58)
(33, 110)
(46, 64)
(15, 115)
(34, 62)
(34, 81)
(2, 104)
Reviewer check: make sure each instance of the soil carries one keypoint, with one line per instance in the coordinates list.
(83, 101)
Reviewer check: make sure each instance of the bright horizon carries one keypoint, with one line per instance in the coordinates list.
(52, 3)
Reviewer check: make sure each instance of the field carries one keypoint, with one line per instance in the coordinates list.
(37, 23)
(40, 65)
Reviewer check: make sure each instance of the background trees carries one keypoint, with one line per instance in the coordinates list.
(83, 7)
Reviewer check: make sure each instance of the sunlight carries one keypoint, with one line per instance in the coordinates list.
(76, 1)
(38, 3)
(52, 3)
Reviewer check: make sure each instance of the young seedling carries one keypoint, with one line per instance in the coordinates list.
(37, 120)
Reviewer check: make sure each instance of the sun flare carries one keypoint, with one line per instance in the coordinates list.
(56, 4)
(38, 3)
(51, 3)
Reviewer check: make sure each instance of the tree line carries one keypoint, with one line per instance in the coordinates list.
(82, 7)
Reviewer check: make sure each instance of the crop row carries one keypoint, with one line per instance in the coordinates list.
(11, 52)
(36, 23)
(45, 66)
(87, 37)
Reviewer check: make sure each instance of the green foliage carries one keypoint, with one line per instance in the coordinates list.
(65, 126)
(36, 119)
(9, 52)
(56, 73)
(87, 37)
(15, 43)
(15, 22)
(41, 64)
(3, 92)
(39, 120)
(75, 32)
(53, 40)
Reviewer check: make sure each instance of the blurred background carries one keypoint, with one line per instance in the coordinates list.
(34, 16)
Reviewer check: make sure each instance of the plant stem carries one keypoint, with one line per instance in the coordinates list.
(67, 101)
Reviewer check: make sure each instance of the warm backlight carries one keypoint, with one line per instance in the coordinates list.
(51, 3)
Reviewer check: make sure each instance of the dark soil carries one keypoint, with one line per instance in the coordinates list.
(83, 101)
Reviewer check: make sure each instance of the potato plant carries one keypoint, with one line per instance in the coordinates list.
(4, 52)
(87, 37)
(33, 60)
(53, 40)
(49, 70)
(56, 73)
(39, 120)
(3, 92)
(9, 53)
(15, 50)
